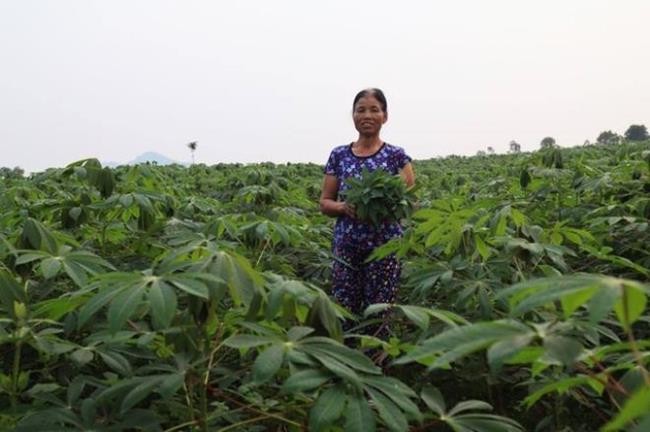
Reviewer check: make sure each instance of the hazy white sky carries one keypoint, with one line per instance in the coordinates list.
(274, 80)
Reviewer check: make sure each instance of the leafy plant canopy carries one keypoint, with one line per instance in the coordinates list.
(379, 197)
(196, 298)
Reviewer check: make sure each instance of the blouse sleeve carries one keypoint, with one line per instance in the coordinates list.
(401, 158)
(330, 166)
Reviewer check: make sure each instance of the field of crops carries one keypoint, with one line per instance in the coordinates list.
(196, 299)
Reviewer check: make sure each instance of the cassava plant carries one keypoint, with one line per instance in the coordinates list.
(379, 197)
(174, 298)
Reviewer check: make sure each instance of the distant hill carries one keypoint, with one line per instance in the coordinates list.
(152, 157)
(146, 157)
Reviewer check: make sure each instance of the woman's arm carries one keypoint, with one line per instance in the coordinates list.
(408, 174)
(328, 203)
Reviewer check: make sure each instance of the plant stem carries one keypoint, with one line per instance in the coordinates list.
(15, 374)
(610, 383)
(556, 412)
(488, 387)
(188, 400)
(266, 243)
(585, 402)
(203, 387)
(630, 337)
(426, 427)
(105, 226)
(212, 353)
(181, 426)
(244, 422)
(203, 421)
(519, 271)
(252, 409)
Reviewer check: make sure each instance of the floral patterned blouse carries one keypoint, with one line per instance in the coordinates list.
(342, 164)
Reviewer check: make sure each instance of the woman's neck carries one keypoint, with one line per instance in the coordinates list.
(368, 143)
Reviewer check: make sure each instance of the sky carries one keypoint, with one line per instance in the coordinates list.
(256, 80)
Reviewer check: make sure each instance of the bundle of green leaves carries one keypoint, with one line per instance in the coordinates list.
(378, 196)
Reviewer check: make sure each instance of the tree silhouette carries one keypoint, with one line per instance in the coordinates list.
(548, 142)
(9, 173)
(636, 133)
(192, 146)
(608, 137)
(515, 147)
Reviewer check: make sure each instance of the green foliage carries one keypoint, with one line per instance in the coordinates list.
(174, 298)
(636, 407)
(379, 197)
(552, 158)
(524, 178)
(460, 418)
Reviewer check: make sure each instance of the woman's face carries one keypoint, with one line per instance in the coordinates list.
(368, 116)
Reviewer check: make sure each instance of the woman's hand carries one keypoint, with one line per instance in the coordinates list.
(329, 203)
(347, 209)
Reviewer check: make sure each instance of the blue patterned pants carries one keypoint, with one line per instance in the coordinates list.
(357, 284)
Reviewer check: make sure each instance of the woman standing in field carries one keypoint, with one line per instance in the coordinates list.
(357, 284)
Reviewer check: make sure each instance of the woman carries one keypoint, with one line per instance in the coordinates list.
(357, 284)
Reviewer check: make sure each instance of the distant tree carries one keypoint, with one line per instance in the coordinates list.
(192, 146)
(490, 150)
(548, 142)
(480, 153)
(636, 133)
(587, 143)
(608, 137)
(515, 147)
(11, 173)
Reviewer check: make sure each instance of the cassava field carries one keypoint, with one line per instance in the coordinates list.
(196, 299)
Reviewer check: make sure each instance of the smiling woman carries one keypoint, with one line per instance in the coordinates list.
(357, 284)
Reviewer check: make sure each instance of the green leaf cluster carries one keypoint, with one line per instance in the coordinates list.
(379, 197)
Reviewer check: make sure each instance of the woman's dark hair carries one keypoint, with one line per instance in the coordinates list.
(374, 92)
